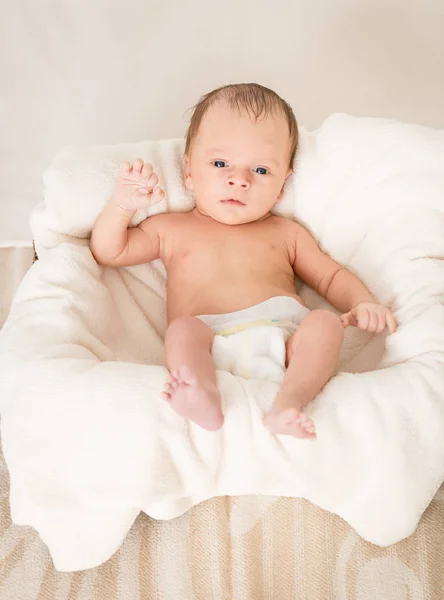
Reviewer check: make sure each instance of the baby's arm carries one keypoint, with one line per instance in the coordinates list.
(112, 242)
(340, 287)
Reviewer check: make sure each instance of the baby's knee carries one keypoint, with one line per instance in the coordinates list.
(186, 327)
(326, 323)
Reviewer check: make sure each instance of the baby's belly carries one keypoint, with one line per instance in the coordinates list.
(220, 298)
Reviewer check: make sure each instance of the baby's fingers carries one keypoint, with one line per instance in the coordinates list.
(152, 181)
(147, 171)
(137, 165)
(125, 167)
(372, 324)
(382, 323)
(157, 195)
(346, 319)
(364, 320)
(391, 323)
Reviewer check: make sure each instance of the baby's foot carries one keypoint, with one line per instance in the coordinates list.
(193, 398)
(136, 186)
(290, 421)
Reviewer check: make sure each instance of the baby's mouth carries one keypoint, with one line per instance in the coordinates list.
(233, 202)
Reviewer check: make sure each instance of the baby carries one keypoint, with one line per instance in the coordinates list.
(230, 262)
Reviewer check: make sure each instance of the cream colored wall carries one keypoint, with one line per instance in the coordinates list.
(99, 71)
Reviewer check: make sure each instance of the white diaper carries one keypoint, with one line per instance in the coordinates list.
(251, 342)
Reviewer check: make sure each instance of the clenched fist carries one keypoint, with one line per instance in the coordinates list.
(370, 316)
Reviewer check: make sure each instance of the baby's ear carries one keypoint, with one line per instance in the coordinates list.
(281, 193)
(187, 172)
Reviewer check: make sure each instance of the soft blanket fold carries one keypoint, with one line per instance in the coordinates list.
(89, 442)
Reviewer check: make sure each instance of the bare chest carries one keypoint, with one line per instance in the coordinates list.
(243, 249)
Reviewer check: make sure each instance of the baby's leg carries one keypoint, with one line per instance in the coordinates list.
(312, 355)
(191, 388)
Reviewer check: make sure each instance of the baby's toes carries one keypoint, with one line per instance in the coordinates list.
(168, 385)
(174, 375)
(308, 425)
(171, 380)
(167, 391)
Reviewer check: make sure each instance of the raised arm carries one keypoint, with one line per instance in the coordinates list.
(115, 244)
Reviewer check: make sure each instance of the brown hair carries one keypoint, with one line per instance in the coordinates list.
(256, 99)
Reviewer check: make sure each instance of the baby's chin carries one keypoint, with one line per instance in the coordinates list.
(229, 215)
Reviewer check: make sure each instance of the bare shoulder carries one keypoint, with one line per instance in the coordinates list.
(290, 229)
(297, 239)
(295, 231)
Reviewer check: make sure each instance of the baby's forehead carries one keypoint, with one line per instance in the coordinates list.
(254, 152)
(230, 125)
(225, 130)
(251, 147)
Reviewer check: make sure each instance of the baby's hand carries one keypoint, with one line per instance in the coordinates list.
(136, 187)
(370, 316)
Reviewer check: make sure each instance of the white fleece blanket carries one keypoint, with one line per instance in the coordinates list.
(88, 440)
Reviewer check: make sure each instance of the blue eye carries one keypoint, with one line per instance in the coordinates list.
(219, 164)
(261, 171)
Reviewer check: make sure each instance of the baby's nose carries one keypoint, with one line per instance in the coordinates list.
(239, 179)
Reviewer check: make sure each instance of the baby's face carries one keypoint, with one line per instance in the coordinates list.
(238, 167)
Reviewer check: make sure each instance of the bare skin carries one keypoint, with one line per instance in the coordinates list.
(226, 256)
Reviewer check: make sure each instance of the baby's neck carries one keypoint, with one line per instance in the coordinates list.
(203, 216)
